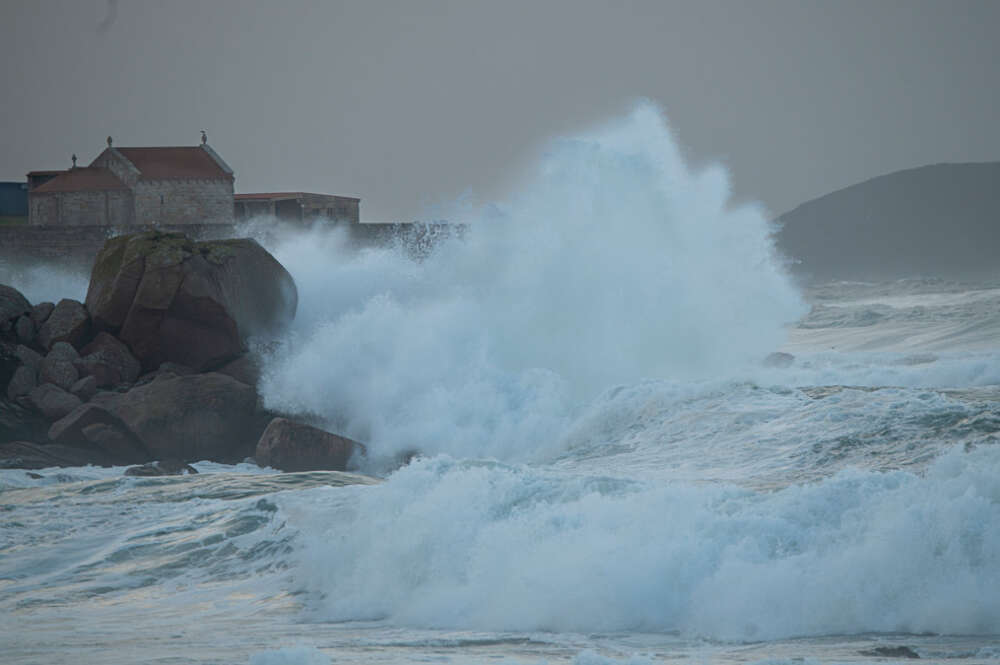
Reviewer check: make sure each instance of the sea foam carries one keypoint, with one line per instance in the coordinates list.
(450, 544)
(612, 261)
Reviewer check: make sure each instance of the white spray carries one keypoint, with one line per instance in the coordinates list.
(613, 262)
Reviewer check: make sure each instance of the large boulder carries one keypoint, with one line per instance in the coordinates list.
(40, 313)
(196, 417)
(91, 427)
(57, 367)
(12, 305)
(52, 401)
(170, 298)
(292, 446)
(68, 322)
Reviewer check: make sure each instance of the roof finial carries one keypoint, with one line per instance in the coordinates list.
(109, 141)
(204, 137)
(74, 160)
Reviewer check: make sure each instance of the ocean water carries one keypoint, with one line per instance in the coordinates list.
(577, 454)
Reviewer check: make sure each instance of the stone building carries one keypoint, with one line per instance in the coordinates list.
(136, 186)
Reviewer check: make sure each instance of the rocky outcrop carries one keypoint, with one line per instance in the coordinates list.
(160, 303)
(291, 446)
(170, 298)
(196, 417)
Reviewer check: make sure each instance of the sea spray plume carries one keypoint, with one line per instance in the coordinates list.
(612, 262)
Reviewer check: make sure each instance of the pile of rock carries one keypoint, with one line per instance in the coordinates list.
(154, 365)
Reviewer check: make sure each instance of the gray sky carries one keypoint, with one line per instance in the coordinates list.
(412, 104)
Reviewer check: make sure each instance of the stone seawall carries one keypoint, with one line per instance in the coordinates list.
(76, 246)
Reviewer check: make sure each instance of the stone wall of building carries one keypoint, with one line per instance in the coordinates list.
(183, 201)
(85, 208)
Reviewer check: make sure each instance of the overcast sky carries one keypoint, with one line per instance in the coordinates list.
(411, 104)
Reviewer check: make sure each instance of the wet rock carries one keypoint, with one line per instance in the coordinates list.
(116, 441)
(40, 313)
(244, 369)
(57, 367)
(25, 380)
(176, 369)
(109, 361)
(28, 357)
(52, 401)
(168, 467)
(85, 388)
(28, 455)
(20, 422)
(68, 430)
(291, 446)
(69, 322)
(891, 652)
(12, 305)
(201, 416)
(170, 298)
(24, 329)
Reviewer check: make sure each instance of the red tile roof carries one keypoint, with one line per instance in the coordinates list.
(166, 163)
(81, 178)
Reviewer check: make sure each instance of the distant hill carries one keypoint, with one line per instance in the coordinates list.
(940, 221)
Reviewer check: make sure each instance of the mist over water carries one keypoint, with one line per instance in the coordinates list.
(612, 262)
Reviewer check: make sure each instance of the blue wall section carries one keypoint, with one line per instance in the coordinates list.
(13, 199)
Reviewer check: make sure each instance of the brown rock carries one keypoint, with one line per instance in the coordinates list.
(40, 313)
(202, 416)
(52, 401)
(108, 361)
(292, 446)
(194, 303)
(69, 322)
